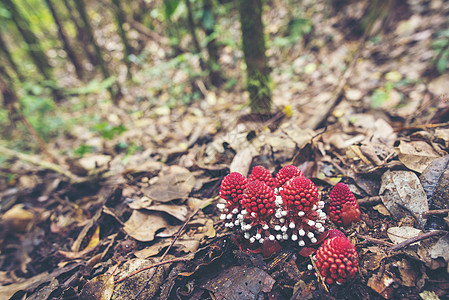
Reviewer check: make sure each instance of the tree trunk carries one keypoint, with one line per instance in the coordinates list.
(212, 48)
(65, 40)
(115, 89)
(120, 17)
(81, 34)
(253, 42)
(4, 49)
(34, 46)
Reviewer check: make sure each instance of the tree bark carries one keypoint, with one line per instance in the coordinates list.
(4, 49)
(253, 42)
(120, 17)
(65, 41)
(212, 48)
(81, 34)
(34, 47)
(115, 89)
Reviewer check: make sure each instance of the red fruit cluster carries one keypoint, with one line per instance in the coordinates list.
(299, 194)
(285, 174)
(262, 174)
(337, 260)
(343, 207)
(232, 188)
(258, 200)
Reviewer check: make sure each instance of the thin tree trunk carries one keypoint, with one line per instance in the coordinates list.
(65, 40)
(115, 89)
(4, 49)
(212, 49)
(81, 34)
(120, 17)
(34, 46)
(253, 42)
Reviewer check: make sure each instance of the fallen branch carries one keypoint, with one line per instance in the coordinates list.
(417, 239)
(435, 212)
(374, 240)
(42, 163)
(370, 200)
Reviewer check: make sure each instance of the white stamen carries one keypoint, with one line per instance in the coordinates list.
(221, 206)
(292, 225)
(247, 235)
(285, 236)
(318, 225)
(253, 214)
(294, 237)
(265, 227)
(284, 213)
(222, 217)
(309, 267)
(252, 240)
(248, 227)
(284, 229)
(258, 236)
(229, 216)
(235, 211)
(301, 232)
(310, 235)
(277, 227)
(279, 236)
(311, 223)
(244, 212)
(313, 240)
(301, 213)
(261, 241)
(271, 237)
(314, 207)
(282, 220)
(321, 229)
(301, 243)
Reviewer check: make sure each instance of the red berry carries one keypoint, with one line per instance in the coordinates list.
(299, 194)
(258, 200)
(262, 174)
(287, 173)
(232, 187)
(343, 207)
(337, 260)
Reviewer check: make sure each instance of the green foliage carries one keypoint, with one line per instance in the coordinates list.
(170, 7)
(441, 49)
(296, 29)
(108, 131)
(83, 149)
(40, 110)
(381, 95)
(93, 86)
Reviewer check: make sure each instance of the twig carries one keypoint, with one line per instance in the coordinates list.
(416, 239)
(152, 266)
(42, 163)
(370, 200)
(435, 212)
(178, 234)
(318, 273)
(374, 240)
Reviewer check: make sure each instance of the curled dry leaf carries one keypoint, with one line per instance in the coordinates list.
(400, 234)
(143, 225)
(416, 155)
(435, 181)
(403, 195)
(174, 182)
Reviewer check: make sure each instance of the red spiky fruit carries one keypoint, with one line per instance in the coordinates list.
(343, 207)
(258, 200)
(337, 260)
(286, 173)
(299, 194)
(231, 189)
(262, 174)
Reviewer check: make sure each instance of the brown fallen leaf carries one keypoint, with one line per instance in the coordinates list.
(99, 288)
(416, 155)
(143, 225)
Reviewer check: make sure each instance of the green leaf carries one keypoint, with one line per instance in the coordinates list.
(442, 62)
(378, 97)
(170, 7)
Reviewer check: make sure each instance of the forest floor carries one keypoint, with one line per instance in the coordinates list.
(143, 224)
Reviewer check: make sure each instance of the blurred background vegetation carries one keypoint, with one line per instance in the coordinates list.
(61, 62)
